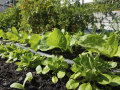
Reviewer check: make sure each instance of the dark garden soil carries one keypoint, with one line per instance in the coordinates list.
(8, 75)
(66, 54)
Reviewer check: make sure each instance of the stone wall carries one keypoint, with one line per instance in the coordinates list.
(110, 21)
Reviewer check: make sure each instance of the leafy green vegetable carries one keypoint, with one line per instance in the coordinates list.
(91, 41)
(89, 67)
(43, 46)
(72, 84)
(104, 79)
(54, 79)
(112, 64)
(2, 34)
(45, 70)
(95, 42)
(17, 86)
(29, 77)
(57, 65)
(39, 69)
(23, 36)
(111, 45)
(115, 81)
(118, 52)
(61, 74)
(14, 30)
(85, 86)
(22, 86)
(57, 39)
(68, 39)
(34, 41)
(11, 36)
(75, 75)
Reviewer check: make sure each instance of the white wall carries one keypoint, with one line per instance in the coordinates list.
(82, 1)
(88, 1)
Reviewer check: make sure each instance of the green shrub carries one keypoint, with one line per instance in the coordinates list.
(10, 18)
(43, 15)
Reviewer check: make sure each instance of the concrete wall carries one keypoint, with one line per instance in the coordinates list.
(2, 5)
(110, 21)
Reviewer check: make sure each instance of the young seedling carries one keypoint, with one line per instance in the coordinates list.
(22, 86)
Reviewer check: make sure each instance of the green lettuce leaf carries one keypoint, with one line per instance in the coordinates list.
(14, 30)
(85, 86)
(115, 81)
(12, 37)
(95, 42)
(2, 34)
(34, 41)
(57, 39)
(43, 46)
(72, 84)
(23, 36)
(104, 79)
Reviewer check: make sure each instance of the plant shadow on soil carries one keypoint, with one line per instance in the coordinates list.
(66, 54)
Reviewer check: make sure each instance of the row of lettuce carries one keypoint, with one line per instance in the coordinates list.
(106, 44)
(89, 69)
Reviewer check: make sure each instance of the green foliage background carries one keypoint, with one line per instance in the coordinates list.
(44, 15)
(9, 18)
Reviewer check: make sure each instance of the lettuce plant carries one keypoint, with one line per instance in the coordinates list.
(55, 39)
(89, 70)
(2, 34)
(28, 59)
(56, 64)
(23, 58)
(34, 41)
(29, 77)
(106, 46)
(16, 36)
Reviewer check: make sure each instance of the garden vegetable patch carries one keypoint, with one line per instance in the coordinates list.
(44, 46)
(90, 69)
(8, 75)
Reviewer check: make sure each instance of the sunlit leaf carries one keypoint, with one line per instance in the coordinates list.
(61, 74)
(72, 84)
(17, 86)
(54, 79)
(85, 86)
(39, 69)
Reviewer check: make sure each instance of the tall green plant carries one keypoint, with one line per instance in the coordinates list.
(43, 15)
(10, 17)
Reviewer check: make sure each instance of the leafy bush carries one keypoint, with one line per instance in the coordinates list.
(10, 18)
(43, 15)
